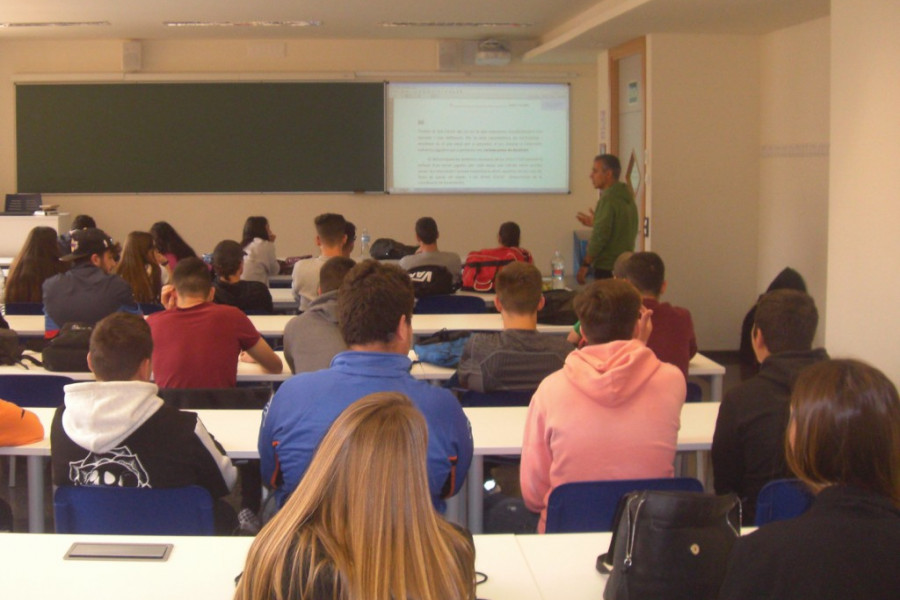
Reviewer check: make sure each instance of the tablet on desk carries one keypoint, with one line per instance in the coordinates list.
(96, 551)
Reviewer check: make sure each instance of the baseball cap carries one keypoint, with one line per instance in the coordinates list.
(86, 242)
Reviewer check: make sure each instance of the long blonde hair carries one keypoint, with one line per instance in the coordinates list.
(361, 526)
(139, 268)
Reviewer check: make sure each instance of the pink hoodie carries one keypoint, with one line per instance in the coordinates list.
(612, 412)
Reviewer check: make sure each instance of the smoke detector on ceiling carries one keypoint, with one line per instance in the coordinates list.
(492, 53)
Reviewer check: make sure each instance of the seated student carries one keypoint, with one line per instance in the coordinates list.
(518, 357)
(428, 253)
(37, 261)
(331, 235)
(350, 231)
(89, 290)
(116, 431)
(361, 524)
(140, 266)
(375, 305)
(312, 339)
(509, 237)
(748, 443)
(249, 296)
(613, 411)
(79, 222)
(171, 245)
(258, 243)
(672, 340)
(196, 344)
(18, 426)
(844, 444)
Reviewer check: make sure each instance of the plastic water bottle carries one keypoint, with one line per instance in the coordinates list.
(558, 271)
(364, 240)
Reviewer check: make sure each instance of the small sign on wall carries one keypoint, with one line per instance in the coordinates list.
(632, 93)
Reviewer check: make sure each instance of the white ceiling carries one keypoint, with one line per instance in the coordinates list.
(567, 30)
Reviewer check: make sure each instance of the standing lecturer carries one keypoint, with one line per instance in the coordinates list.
(614, 221)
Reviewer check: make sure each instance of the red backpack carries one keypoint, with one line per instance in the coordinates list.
(482, 266)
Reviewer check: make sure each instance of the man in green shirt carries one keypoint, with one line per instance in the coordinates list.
(615, 220)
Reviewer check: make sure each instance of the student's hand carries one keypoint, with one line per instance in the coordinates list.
(644, 327)
(586, 219)
(244, 357)
(581, 274)
(168, 297)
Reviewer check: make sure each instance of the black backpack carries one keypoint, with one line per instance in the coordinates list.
(558, 308)
(11, 350)
(431, 280)
(386, 248)
(68, 351)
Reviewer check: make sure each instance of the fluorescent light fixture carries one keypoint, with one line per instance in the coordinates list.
(58, 24)
(242, 23)
(452, 24)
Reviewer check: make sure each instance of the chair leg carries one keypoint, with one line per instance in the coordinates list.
(12, 471)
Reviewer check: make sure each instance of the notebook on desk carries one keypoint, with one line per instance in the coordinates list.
(22, 204)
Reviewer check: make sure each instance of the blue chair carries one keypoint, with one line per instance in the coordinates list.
(148, 308)
(782, 499)
(449, 304)
(498, 398)
(591, 505)
(34, 390)
(133, 511)
(24, 308)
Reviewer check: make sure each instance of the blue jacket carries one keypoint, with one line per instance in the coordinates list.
(305, 406)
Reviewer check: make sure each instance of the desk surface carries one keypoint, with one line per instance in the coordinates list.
(198, 567)
(495, 430)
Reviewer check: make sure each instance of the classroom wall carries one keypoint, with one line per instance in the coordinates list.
(703, 129)
(794, 140)
(466, 222)
(864, 189)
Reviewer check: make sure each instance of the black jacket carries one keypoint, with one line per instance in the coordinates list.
(846, 546)
(748, 445)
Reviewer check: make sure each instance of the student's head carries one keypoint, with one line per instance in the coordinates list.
(371, 301)
(120, 343)
(191, 278)
(646, 272)
(362, 517)
(519, 288)
(350, 231)
(618, 269)
(168, 241)
(227, 259)
(427, 230)
(332, 273)
(255, 227)
(608, 310)
(95, 247)
(787, 320)
(845, 428)
(37, 260)
(137, 258)
(83, 222)
(509, 234)
(331, 229)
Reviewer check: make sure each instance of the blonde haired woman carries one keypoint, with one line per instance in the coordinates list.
(361, 524)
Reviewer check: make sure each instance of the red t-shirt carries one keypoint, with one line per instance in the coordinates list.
(198, 347)
(672, 339)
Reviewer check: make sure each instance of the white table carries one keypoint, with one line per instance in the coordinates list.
(197, 568)
(495, 431)
(563, 565)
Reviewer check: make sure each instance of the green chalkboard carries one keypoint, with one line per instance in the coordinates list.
(200, 137)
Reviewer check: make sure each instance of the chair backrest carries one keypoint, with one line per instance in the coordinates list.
(591, 505)
(782, 499)
(34, 390)
(24, 308)
(449, 304)
(498, 398)
(133, 511)
(250, 397)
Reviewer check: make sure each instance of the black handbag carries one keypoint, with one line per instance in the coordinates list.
(670, 545)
